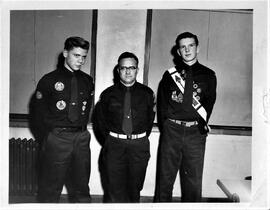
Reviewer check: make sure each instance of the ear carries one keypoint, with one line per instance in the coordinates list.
(178, 52)
(198, 49)
(65, 53)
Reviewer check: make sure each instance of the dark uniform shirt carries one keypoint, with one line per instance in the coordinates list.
(170, 99)
(111, 107)
(53, 98)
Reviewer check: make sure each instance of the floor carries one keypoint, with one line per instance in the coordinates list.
(98, 199)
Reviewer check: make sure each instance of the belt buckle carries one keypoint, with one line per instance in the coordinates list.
(129, 137)
(183, 123)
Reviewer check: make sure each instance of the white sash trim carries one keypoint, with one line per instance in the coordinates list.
(181, 85)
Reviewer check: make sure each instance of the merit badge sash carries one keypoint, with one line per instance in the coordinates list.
(181, 85)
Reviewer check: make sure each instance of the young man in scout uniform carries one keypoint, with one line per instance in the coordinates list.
(186, 96)
(63, 103)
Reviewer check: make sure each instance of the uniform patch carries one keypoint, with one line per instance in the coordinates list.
(38, 95)
(84, 103)
(83, 108)
(177, 98)
(199, 90)
(59, 86)
(61, 105)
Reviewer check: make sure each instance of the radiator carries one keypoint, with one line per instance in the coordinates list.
(23, 154)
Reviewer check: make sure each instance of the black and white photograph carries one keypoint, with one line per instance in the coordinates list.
(135, 105)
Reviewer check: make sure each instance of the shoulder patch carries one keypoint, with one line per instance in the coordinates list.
(39, 95)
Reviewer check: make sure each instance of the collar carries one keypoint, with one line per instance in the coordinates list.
(123, 87)
(64, 70)
(186, 67)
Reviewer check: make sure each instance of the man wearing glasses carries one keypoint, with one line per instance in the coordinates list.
(125, 118)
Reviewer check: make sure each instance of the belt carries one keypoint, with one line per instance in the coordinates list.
(72, 129)
(185, 123)
(132, 136)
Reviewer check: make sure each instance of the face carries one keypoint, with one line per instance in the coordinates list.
(188, 50)
(75, 58)
(128, 70)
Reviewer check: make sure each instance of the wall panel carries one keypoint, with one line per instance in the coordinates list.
(118, 31)
(22, 63)
(230, 55)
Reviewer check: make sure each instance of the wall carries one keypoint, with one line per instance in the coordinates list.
(118, 31)
(226, 157)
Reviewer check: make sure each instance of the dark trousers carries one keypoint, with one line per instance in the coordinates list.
(125, 164)
(181, 149)
(65, 159)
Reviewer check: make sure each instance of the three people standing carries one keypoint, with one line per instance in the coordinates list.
(125, 115)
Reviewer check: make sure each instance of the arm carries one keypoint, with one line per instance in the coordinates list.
(39, 110)
(208, 103)
(162, 102)
(151, 113)
(99, 120)
(211, 96)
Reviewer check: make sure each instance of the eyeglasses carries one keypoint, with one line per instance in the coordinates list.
(125, 68)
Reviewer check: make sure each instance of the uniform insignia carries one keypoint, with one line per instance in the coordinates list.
(59, 86)
(177, 79)
(38, 95)
(177, 98)
(84, 103)
(195, 86)
(199, 90)
(197, 97)
(61, 105)
(83, 108)
(194, 93)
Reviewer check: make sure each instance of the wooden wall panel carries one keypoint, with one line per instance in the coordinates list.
(22, 54)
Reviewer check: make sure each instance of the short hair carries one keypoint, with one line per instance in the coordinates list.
(76, 41)
(186, 35)
(128, 55)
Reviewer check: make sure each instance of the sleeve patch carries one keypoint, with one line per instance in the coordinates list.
(39, 95)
